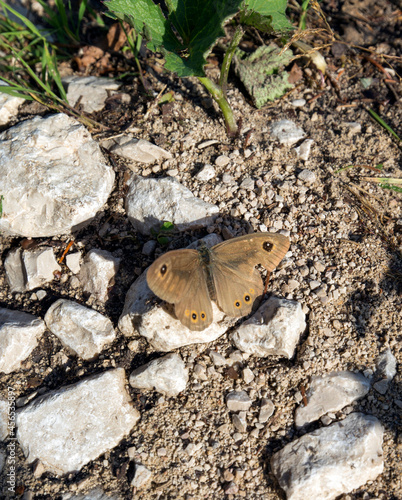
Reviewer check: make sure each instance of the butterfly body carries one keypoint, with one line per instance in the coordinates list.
(225, 273)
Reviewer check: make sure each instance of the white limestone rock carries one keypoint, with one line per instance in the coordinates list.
(386, 371)
(303, 151)
(90, 92)
(330, 461)
(142, 476)
(267, 408)
(82, 330)
(67, 428)
(93, 494)
(206, 173)
(9, 105)
(331, 392)
(52, 175)
(238, 401)
(138, 150)
(97, 271)
(19, 334)
(144, 315)
(167, 375)
(73, 262)
(175, 203)
(287, 132)
(30, 269)
(273, 330)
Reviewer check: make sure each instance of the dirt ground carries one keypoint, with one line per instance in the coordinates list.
(352, 227)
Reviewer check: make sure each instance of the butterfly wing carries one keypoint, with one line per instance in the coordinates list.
(237, 282)
(179, 278)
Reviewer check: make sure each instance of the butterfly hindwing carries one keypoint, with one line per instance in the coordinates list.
(236, 292)
(178, 278)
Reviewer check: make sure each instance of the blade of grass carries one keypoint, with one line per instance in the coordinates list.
(383, 124)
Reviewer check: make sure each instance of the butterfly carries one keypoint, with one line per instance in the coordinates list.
(225, 273)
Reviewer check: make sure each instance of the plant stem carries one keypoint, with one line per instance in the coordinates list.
(223, 80)
(218, 95)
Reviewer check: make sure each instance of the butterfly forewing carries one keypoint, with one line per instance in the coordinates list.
(246, 252)
(178, 278)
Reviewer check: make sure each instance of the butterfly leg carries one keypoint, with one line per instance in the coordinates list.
(266, 282)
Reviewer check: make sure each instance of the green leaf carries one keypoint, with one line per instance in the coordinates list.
(185, 34)
(262, 73)
(265, 15)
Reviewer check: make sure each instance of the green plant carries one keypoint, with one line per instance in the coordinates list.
(186, 31)
(31, 63)
(163, 233)
(1, 205)
(384, 125)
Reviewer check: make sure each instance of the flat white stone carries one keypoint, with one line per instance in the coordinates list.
(330, 461)
(82, 330)
(303, 151)
(142, 476)
(9, 105)
(167, 375)
(157, 323)
(331, 392)
(67, 428)
(238, 401)
(98, 269)
(19, 334)
(73, 262)
(134, 149)
(15, 272)
(175, 203)
(94, 494)
(39, 265)
(386, 365)
(52, 175)
(307, 176)
(206, 173)
(273, 330)
(90, 92)
(267, 408)
(287, 132)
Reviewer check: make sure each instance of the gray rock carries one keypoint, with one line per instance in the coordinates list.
(240, 421)
(98, 269)
(267, 408)
(238, 401)
(331, 393)
(142, 476)
(287, 132)
(138, 150)
(175, 204)
(82, 330)
(330, 461)
(67, 428)
(303, 151)
(167, 375)
(206, 173)
(73, 262)
(273, 330)
(386, 365)
(19, 334)
(52, 175)
(90, 92)
(307, 176)
(149, 247)
(29, 269)
(298, 103)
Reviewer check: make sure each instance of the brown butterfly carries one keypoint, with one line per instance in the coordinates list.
(225, 273)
